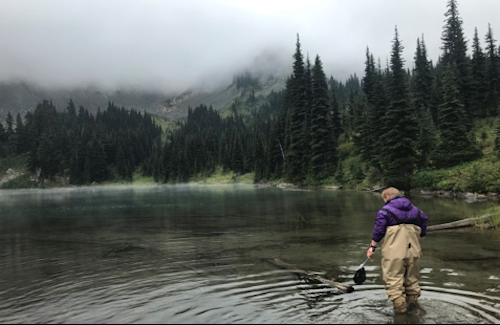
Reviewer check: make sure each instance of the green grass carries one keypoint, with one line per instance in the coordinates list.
(494, 221)
(484, 133)
(137, 179)
(219, 176)
(481, 176)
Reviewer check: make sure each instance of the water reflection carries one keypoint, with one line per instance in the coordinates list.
(200, 254)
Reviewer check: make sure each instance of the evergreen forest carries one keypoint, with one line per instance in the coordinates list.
(420, 124)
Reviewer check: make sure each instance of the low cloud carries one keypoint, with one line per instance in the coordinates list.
(172, 45)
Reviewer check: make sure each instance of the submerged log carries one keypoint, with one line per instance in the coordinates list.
(312, 275)
(461, 223)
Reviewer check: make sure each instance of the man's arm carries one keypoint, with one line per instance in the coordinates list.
(379, 230)
(371, 249)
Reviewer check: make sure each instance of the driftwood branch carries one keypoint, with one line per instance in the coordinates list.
(311, 275)
(460, 223)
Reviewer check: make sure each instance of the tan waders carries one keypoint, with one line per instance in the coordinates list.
(401, 251)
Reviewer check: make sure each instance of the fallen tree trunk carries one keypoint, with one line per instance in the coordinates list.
(461, 223)
(312, 275)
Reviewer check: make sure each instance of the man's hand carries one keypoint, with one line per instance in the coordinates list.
(371, 251)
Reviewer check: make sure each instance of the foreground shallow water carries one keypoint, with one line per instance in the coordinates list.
(201, 254)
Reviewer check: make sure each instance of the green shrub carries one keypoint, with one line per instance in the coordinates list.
(480, 176)
(426, 179)
(352, 170)
(22, 181)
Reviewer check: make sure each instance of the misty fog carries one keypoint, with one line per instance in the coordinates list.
(169, 46)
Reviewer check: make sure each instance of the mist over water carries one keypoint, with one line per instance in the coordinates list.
(201, 254)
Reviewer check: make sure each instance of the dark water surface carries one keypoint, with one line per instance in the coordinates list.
(200, 254)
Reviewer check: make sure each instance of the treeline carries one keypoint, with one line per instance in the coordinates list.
(82, 147)
(385, 127)
(381, 128)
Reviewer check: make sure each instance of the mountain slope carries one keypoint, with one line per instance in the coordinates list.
(22, 97)
(220, 99)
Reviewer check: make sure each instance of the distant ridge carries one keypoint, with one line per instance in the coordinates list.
(21, 97)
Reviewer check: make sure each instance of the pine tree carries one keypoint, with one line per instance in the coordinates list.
(398, 153)
(76, 169)
(436, 98)
(323, 144)
(422, 78)
(97, 161)
(71, 108)
(3, 136)
(71, 118)
(350, 115)
(308, 83)
(22, 144)
(493, 68)
(364, 126)
(47, 160)
(258, 159)
(297, 114)
(420, 94)
(455, 144)
(335, 115)
(362, 136)
(306, 124)
(455, 52)
(237, 155)
(121, 161)
(157, 162)
(275, 153)
(166, 160)
(370, 129)
(479, 83)
(3, 152)
(9, 122)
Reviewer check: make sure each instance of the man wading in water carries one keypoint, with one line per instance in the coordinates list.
(402, 226)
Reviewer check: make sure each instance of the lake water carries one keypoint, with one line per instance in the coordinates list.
(201, 254)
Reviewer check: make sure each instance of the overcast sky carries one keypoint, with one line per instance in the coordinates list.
(174, 44)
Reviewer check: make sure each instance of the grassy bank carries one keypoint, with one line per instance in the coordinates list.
(480, 176)
(494, 212)
(219, 176)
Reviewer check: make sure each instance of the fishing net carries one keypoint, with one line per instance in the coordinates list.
(360, 276)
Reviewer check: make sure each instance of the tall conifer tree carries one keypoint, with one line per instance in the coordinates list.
(479, 83)
(455, 143)
(455, 52)
(398, 152)
(420, 94)
(493, 66)
(376, 103)
(2, 134)
(297, 114)
(323, 144)
(336, 122)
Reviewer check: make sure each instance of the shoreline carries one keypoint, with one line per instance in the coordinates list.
(61, 183)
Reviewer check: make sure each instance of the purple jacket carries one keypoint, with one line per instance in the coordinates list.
(404, 211)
